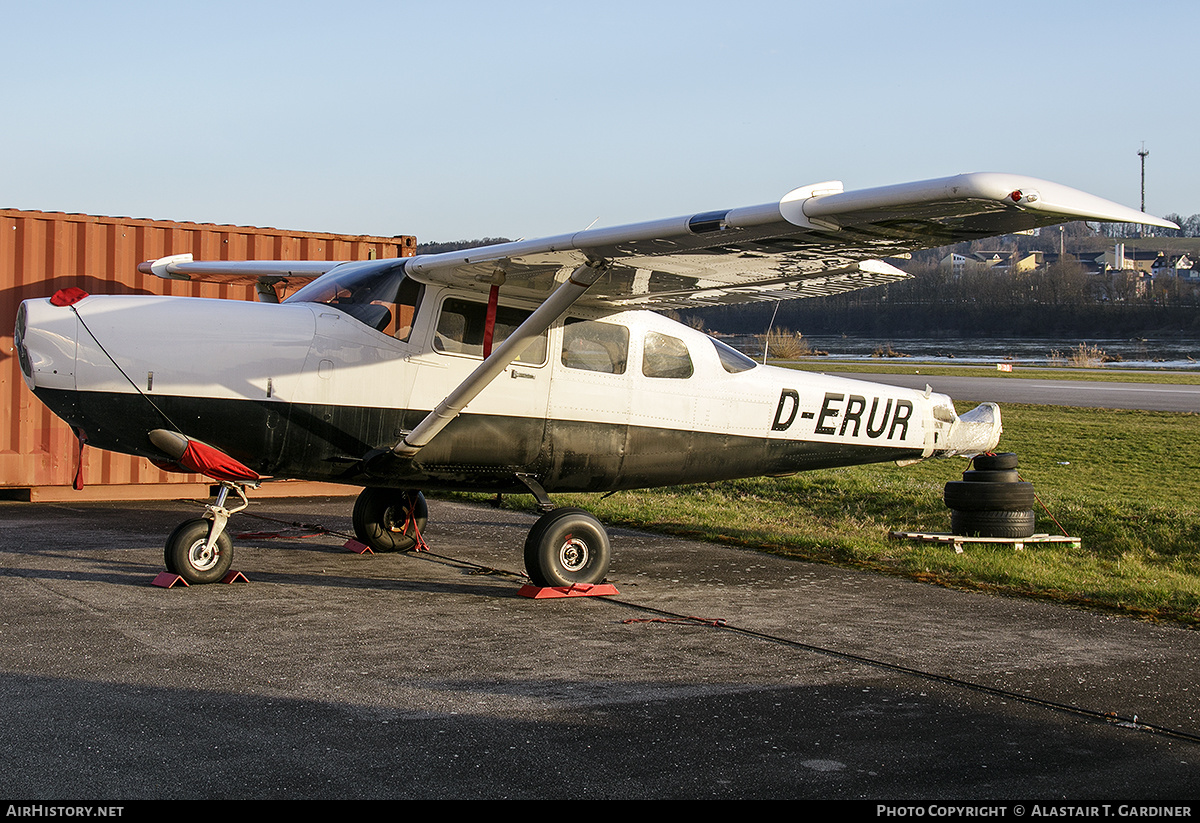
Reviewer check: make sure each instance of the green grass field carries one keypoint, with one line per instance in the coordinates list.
(1126, 482)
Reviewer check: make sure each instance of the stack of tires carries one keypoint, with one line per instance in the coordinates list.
(991, 500)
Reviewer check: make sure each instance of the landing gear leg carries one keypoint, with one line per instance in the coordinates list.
(200, 550)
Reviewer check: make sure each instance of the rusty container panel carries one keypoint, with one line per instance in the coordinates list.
(42, 252)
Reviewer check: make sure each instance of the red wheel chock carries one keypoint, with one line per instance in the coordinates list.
(577, 590)
(356, 547)
(168, 580)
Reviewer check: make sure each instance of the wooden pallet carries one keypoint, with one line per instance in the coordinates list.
(959, 541)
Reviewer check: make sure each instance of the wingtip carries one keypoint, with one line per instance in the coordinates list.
(1044, 195)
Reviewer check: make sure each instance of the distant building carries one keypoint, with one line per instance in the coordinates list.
(1165, 266)
(1091, 262)
(1143, 264)
(997, 261)
(1139, 260)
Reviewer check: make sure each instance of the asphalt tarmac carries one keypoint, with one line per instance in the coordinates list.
(714, 673)
(1081, 393)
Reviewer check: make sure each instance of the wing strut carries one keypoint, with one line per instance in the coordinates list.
(543, 317)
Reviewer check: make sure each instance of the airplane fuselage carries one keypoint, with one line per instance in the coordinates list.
(602, 402)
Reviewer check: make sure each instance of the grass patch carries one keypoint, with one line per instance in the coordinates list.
(1126, 482)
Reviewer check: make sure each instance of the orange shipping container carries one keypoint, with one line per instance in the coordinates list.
(42, 252)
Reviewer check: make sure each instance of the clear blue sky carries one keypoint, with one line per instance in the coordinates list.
(453, 120)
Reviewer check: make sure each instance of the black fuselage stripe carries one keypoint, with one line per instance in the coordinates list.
(480, 452)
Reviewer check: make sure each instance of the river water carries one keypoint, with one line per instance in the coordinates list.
(1121, 353)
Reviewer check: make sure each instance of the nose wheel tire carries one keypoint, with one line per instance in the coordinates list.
(187, 556)
(567, 547)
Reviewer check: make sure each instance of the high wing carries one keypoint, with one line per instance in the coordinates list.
(817, 240)
(264, 274)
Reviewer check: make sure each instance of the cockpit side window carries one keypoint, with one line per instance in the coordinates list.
(384, 300)
(461, 325)
(666, 356)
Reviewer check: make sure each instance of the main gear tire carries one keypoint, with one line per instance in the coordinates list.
(567, 547)
(1002, 460)
(992, 476)
(390, 520)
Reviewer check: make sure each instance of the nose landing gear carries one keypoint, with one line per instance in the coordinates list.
(200, 550)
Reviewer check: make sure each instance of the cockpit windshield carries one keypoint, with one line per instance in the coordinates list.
(381, 297)
(732, 360)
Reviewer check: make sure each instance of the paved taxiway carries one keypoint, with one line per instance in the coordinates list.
(333, 675)
(1084, 393)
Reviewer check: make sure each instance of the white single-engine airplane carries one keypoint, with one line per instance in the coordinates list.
(529, 367)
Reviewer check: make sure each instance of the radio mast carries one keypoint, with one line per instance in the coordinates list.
(1142, 154)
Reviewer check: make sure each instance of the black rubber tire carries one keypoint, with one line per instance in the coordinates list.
(1011, 525)
(981, 497)
(382, 519)
(567, 547)
(1003, 460)
(184, 553)
(992, 476)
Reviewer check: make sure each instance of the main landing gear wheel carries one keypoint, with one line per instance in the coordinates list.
(390, 520)
(567, 547)
(187, 553)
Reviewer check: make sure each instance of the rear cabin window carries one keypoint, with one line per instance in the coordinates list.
(461, 325)
(666, 356)
(590, 345)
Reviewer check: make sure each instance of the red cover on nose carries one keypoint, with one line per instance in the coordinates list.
(67, 297)
(210, 462)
